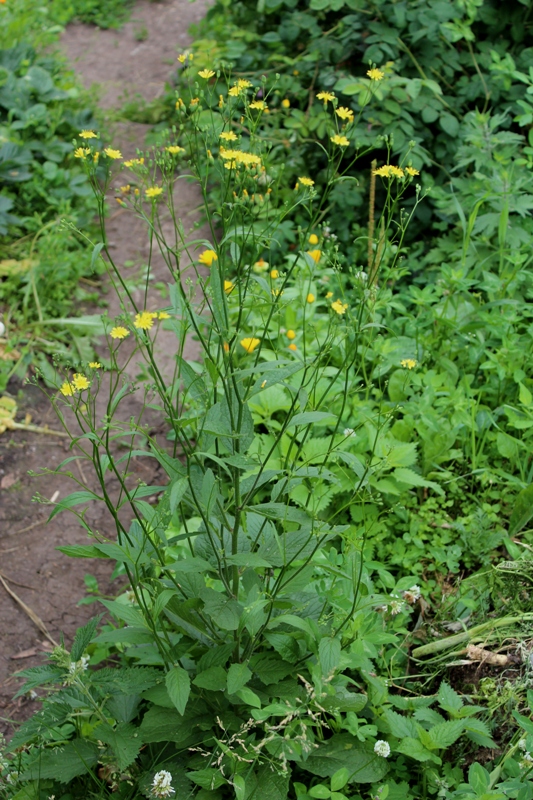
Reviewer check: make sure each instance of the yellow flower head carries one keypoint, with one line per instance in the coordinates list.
(119, 332)
(313, 239)
(408, 363)
(342, 141)
(228, 136)
(375, 74)
(315, 255)
(339, 307)
(207, 257)
(182, 57)
(412, 171)
(234, 91)
(228, 286)
(388, 171)
(163, 315)
(291, 334)
(243, 84)
(292, 346)
(344, 113)
(328, 295)
(179, 104)
(112, 153)
(66, 389)
(396, 172)
(125, 189)
(258, 104)
(310, 298)
(95, 365)
(88, 135)
(134, 162)
(274, 274)
(221, 101)
(174, 149)
(80, 382)
(206, 74)
(250, 343)
(306, 181)
(286, 103)
(153, 191)
(145, 320)
(81, 152)
(327, 97)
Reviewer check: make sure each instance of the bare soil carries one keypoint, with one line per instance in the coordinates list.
(47, 582)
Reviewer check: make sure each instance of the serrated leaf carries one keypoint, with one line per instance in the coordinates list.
(522, 511)
(344, 750)
(238, 676)
(271, 784)
(399, 726)
(448, 699)
(83, 638)
(224, 611)
(63, 763)
(179, 687)
(445, 734)
(124, 740)
(415, 749)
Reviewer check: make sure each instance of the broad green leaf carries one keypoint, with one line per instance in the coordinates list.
(213, 678)
(124, 740)
(344, 750)
(248, 560)
(207, 778)
(448, 699)
(522, 511)
(339, 779)
(415, 749)
(177, 490)
(309, 417)
(81, 551)
(329, 653)
(320, 791)
(224, 611)
(239, 784)
(446, 734)
(238, 676)
(179, 687)
(478, 778)
(399, 726)
(63, 763)
(165, 725)
(271, 784)
(248, 697)
(126, 613)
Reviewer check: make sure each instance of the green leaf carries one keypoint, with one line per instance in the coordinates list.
(124, 740)
(448, 699)
(63, 763)
(165, 725)
(74, 499)
(207, 778)
(399, 725)
(329, 652)
(238, 676)
(125, 612)
(224, 611)
(248, 560)
(248, 697)
(96, 252)
(412, 478)
(83, 638)
(177, 490)
(478, 778)
(339, 779)
(344, 750)
(478, 731)
(213, 678)
(271, 784)
(239, 785)
(522, 511)
(308, 417)
(81, 551)
(320, 791)
(449, 124)
(415, 749)
(445, 734)
(179, 687)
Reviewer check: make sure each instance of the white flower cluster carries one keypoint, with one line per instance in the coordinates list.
(412, 595)
(396, 606)
(349, 432)
(79, 666)
(382, 748)
(162, 784)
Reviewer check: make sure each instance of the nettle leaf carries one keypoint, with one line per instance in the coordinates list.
(448, 699)
(271, 784)
(270, 669)
(344, 750)
(399, 725)
(213, 679)
(83, 638)
(166, 725)
(238, 676)
(124, 740)
(224, 611)
(415, 749)
(329, 653)
(63, 763)
(128, 680)
(178, 686)
(478, 731)
(39, 676)
(446, 733)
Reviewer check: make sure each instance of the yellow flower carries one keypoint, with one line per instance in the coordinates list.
(313, 239)
(228, 136)
(80, 382)
(88, 135)
(134, 162)
(306, 181)
(145, 320)
(119, 332)
(328, 295)
(259, 104)
(67, 389)
(228, 286)
(274, 274)
(277, 292)
(153, 191)
(225, 347)
(396, 172)
(342, 141)
(234, 91)
(310, 298)
(182, 57)
(95, 365)
(206, 74)
(292, 346)
(174, 149)
(261, 265)
(112, 153)
(243, 84)
(315, 255)
(326, 97)
(286, 103)
(163, 315)
(250, 343)
(409, 363)
(125, 189)
(339, 307)
(291, 334)
(207, 257)
(344, 113)
(221, 101)
(411, 171)
(81, 152)
(388, 171)
(179, 104)
(240, 157)
(96, 156)
(375, 74)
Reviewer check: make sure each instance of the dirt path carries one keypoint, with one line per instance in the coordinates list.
(47, 581)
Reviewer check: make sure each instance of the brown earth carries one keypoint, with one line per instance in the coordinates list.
(31, 568)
